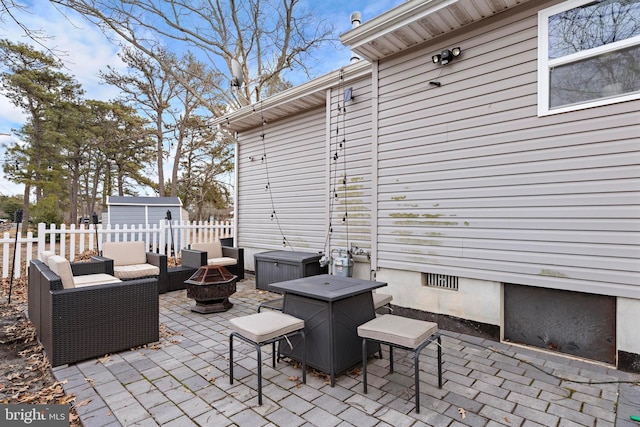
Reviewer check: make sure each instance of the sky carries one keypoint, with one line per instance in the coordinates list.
(86, 51)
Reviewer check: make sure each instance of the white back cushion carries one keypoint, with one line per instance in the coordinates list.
(213, 249)
(125, 253)
(62, 268)
(45, 255)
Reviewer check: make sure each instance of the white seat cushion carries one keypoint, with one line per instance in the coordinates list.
(135, 271)
(380, 300)
(266, 325)
(398, 330)
(94, 279)
(225, 260)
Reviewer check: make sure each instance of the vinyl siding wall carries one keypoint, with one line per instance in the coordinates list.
(473, 184)
(130, 215)
(294, 169)
(351, 140)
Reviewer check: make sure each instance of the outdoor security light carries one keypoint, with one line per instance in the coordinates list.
(446, 56)
(348, 94)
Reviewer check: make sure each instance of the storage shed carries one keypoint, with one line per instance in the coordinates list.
(130, 210)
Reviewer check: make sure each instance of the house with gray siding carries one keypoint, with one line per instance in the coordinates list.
(496, 191)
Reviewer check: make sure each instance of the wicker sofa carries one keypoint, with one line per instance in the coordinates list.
(80, 323)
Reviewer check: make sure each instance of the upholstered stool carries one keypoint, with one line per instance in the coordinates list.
(382, 300)
(401, 332)
(266, 328)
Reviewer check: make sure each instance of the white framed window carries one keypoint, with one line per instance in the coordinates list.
(588, 54)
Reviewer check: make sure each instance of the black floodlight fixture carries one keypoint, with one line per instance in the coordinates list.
(446, 56)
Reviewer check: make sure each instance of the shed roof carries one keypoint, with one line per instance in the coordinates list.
(143, 201)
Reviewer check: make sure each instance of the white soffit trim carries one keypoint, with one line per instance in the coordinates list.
(306, 96)
(417, 21)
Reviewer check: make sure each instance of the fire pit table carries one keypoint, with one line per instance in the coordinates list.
(211, 287)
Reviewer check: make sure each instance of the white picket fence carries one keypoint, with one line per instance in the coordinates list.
(71, 241)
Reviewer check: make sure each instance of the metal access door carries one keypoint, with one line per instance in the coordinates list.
(575, 323)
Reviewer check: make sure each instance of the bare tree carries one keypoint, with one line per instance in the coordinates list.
(169, 105)
(189, 124)
(151, 90)
(8, 9)
(208, 156)
(266, 37)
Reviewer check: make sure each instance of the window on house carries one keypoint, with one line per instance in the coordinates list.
(588, 54)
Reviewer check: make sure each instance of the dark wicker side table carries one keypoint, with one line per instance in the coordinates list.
(210, 287)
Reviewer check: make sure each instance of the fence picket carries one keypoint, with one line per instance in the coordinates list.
(5, 259)
(81, 238)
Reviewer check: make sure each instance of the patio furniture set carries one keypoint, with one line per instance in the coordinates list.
(325, 321)
(110, 304)
(330, 323)
(82, 310)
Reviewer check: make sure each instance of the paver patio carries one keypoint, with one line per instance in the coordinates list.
(183, 381)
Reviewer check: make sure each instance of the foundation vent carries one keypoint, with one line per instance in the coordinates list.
(442, 281)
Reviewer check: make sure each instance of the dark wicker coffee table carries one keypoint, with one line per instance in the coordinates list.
(211, 287)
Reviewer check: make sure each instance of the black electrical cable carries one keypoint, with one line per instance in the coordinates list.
(338, 143)
(274, 214)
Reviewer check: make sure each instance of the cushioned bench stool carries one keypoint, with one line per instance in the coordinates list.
(381, 300)
(401, 332)
(264, 328)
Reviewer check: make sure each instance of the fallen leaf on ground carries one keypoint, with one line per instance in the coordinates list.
(83, 403)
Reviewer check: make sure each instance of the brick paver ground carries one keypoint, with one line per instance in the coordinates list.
(183, 381)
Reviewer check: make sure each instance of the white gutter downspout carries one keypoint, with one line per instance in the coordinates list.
(235, 193)
(327, 166)
(375, 92)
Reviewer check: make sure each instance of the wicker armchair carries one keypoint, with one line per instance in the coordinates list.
(200, 254)
(81, 323)
(132, 261)
(35, 277)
